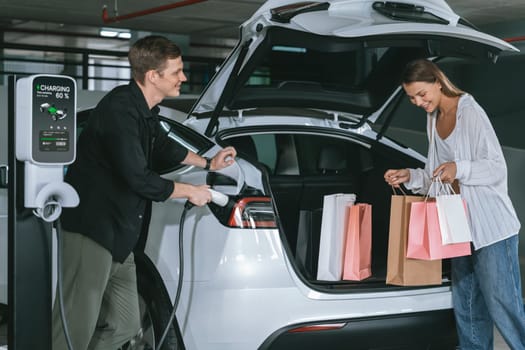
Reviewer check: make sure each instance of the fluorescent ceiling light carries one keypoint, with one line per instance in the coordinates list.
(107, 33)
(124, 35)
(115, 33)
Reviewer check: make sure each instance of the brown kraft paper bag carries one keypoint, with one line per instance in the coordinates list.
(401, 270)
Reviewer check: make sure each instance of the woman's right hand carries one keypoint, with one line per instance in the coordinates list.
(395, 177)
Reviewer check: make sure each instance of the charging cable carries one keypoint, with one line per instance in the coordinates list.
(60, 293)
(217, 198)
(49, 203)
(187, 206)
(50, 212)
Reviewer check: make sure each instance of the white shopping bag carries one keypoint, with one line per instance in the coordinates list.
(332, 241)
(453, 220)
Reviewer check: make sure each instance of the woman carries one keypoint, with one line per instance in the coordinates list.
(486, 286)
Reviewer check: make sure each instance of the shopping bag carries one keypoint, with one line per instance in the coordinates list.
(357, 263)
(307, 246)
(424, 235)
(401, 270)
(453, 220)
(333, 228)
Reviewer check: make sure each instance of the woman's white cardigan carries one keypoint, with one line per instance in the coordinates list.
(481, 172)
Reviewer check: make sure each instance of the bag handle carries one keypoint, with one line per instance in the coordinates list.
(400, 190)
(444, 188)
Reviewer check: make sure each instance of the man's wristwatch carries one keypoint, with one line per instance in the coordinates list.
(208, 163)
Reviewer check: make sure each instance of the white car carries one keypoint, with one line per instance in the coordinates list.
(306, 98)
(298, 97)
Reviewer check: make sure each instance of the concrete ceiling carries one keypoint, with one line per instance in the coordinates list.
(76, 23)
(206, 19)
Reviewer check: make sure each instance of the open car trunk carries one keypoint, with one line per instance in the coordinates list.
(341, 59)
(306, 167)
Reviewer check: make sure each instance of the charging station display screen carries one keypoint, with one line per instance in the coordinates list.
(54, 141)
(53, 109)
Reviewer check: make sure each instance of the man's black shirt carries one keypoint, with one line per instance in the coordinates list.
(113, 172)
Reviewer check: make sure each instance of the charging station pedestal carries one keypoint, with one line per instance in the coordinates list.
(41, 140)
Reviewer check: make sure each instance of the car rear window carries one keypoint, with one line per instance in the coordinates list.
(299, 65)
(300, 69)
(291, 68)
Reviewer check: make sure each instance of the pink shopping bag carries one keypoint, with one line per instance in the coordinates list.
(358, 246)
(424, 235)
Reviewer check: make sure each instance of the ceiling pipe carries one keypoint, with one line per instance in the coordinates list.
(108, 19)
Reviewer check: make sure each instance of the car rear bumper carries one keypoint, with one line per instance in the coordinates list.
(430, 330)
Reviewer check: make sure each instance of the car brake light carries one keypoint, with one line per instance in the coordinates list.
(253, 212)
(318, 327)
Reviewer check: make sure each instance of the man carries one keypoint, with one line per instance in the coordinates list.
(116, 184)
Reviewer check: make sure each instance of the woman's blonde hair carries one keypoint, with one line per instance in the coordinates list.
(422, 70)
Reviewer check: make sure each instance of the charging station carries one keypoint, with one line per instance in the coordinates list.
(41, 141)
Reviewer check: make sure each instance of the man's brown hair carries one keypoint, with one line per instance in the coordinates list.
(151, 53)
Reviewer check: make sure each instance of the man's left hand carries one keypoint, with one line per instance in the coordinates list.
(225, 157)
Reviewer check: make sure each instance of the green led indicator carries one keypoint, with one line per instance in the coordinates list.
(52, 110)
(37, 87)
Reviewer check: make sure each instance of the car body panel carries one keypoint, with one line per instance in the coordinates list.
(357, 19)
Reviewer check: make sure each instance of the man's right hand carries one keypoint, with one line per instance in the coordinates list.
(197, 195)
(200, 195)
